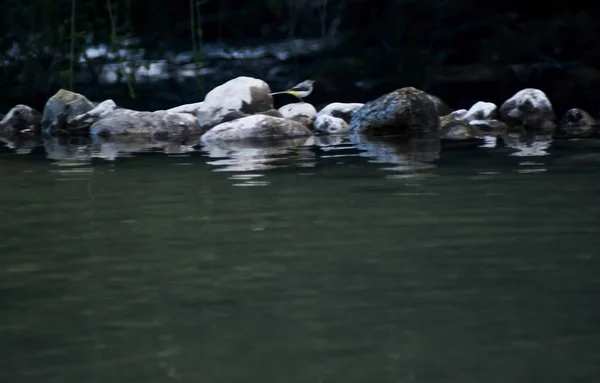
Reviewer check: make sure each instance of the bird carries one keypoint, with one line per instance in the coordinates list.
(300, 91)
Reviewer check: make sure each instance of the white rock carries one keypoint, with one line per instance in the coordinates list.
(246, 94)
(340, 110)
(459, 113)
(302, 112)
(529, 108)
(258, 126)
(330, 125)
(481, 111)
(186, 108)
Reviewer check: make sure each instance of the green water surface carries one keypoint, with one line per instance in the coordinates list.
(308, 264)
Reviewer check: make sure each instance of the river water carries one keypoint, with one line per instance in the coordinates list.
(328, 262)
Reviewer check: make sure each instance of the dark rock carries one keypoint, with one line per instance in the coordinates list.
(61, 108)
(403, 111)
(441, 107)
(20, 119)
(577, 123)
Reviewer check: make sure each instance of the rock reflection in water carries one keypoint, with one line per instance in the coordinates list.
(409, 153)
(20, 144)
(528, 144)
(244, 156)
(76, 150)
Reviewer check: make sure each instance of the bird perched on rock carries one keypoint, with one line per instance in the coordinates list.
(300, 91)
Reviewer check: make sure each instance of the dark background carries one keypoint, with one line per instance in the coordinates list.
(463, 51)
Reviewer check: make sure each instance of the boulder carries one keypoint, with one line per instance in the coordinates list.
(454, 128)
(20, 119)
(187, 108)
(257, 127)
(403, 111)
(531, 109)
(234, 99)
(481, 111)
(326, 124)
(441, 107)
(272, 113)
(159, 123)
(85, 120)
(577, 123)
(301, 112)
(61, 108)
(342, 110)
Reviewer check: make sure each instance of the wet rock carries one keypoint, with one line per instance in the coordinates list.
(20, 119)
(327, 124)
(405, 110)
(61, 108)
(259, 127)
(158, 123)
(342, 110)
(577, 123)
(85, 120)
(441, 107)
(456, 129)
(481, 111)
(531, 109)
(302, 112)
(234, 99)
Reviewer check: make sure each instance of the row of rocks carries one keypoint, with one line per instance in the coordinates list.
(242, 109)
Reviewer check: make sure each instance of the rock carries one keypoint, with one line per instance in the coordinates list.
(577, 123)
(272, 113)
(327, 124)
(405, 110)
(210, 118)
(159, 123)
(259, 127)
(455, 129)
(530, 109)
(342, 110)
(490, 127)
(302, 112)
(61, 108)
(244, 94)
(237, 98)
(441, 107)
(187, 108)
(20, 119)
(85, 120)
(481, 111)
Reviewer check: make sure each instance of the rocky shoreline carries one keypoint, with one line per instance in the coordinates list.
(241, 112)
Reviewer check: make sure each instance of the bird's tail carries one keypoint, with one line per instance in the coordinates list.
(283, 92)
